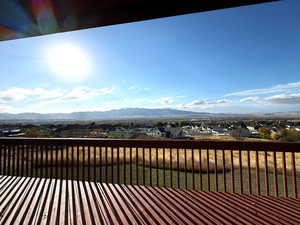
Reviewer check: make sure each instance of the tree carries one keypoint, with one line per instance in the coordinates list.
(274, 135)
(36, 132)
(289, 135)
(181, 123)
(33, 132)
(264, 132)
(159, 124)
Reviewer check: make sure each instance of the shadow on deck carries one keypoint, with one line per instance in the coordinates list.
(52, 201)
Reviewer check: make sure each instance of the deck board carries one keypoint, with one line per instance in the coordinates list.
(51, 201)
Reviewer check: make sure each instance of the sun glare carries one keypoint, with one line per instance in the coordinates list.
(69, 62)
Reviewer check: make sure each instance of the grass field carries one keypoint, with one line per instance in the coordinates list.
(125, 174)
(159, 158)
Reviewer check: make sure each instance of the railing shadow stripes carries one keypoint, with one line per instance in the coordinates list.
(245, 167)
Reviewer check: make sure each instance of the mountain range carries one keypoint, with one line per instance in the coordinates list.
(136, 113)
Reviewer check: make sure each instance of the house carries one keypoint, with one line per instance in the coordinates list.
(219, 131)
(240, 132)
(191, 131)
(156, 132)
(252, 130)
(121, 129)
(12, 133)
(174, 132)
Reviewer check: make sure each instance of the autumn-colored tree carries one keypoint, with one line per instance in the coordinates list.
(289, 135)
(33, 132)
(274, 135)
(264, 132)
(36, 132)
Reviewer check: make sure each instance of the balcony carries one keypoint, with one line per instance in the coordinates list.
(91, 181)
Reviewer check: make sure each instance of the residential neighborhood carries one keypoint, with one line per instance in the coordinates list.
(275, 129)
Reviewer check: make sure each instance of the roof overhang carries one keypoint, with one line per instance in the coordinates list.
(28, 18)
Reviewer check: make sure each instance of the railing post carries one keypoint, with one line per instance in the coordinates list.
(200, 170)
(124, 165)
(18, 160)
(171, 166)
(249, 173)
(83, 162)
(3, 151)
(130, 165)
(150, 164)
(178, 169)
(106, 162)
(193, 168)
(257, 174)
(275, 174)
(164, 166)
(185, 168)
(216, 170)
(95, 162)
(8, 160)
(241, 172)
(137, 164)
(89, 163)
(118, 165)
(157, 176)
(224, 172)
(13, 148)
(144, 182)
(266, 174)
(232, 172)
(72, 163)
(207, 169)
(284, 178)
(294, 175)
(112, 165)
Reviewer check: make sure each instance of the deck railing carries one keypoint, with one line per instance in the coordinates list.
(261, 168)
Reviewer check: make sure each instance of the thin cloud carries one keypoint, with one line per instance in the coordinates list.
(250, 99)
(137, 88)
(205, 103)
(222, 101)
(198, 102)
(138, 100)
(278, 88)
(131, 88)
(284, 99)
(81, 93)
(17, 94)
(165, 100)
(48, 94)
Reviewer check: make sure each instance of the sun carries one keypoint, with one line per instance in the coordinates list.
(69, 62)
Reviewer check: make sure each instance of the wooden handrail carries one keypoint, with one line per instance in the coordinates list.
(277, 146)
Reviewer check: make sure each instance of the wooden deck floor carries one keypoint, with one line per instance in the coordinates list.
(46, 201)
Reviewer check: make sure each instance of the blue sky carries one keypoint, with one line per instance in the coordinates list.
(237, 60)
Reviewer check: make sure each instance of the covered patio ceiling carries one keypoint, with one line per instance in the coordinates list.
(28, 18)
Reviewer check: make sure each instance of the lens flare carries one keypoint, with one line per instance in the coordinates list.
(45, 16)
